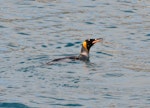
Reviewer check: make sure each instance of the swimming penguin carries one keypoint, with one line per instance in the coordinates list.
(85, 49)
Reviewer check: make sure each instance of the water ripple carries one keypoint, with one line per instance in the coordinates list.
(23, 33)
(2, 26)
(148, 35)
(68, 105)
(13, 105)
(69, 45)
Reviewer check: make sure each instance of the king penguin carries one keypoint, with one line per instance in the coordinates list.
(85, 50)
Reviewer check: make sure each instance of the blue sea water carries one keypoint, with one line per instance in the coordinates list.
(34, 32)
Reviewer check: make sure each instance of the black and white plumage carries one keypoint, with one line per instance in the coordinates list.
(85, 49)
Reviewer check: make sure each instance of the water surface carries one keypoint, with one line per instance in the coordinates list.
(34, 32)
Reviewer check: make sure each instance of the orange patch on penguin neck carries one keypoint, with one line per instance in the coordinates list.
(85, 45)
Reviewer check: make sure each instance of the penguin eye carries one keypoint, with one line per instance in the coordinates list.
(89, 45)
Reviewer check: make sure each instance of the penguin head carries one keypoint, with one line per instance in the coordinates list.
(88, 43)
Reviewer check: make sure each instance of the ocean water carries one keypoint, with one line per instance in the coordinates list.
(34, 32)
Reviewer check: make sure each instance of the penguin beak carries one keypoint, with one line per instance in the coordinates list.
(97, 40)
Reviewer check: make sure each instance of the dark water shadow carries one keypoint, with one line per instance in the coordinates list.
(13, 105)
(104, 53)
(68, 105)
